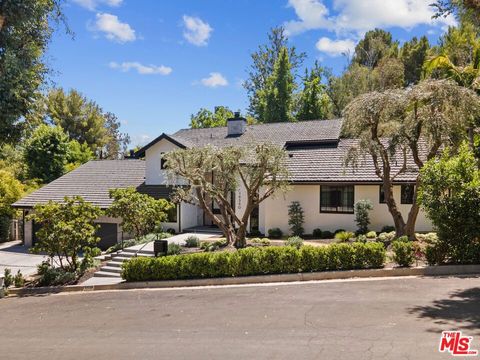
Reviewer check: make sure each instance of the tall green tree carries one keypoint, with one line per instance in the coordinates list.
(275, 101)
(82, 119)
(117, 142)
(25, 31)
(313, 101)
(375, 45)
(205, 118)
(413, 54)
(263, 64)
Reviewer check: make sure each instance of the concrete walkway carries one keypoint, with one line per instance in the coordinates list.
(146, 250)
(15, 256)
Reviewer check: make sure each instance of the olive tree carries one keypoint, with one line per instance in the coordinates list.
(215, 173)
(401, 129)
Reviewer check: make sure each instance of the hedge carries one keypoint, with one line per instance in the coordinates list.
(256, 261)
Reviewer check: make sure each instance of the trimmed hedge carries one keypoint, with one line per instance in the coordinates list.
(256, 261)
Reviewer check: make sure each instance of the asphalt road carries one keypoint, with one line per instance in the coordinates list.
(373, 319)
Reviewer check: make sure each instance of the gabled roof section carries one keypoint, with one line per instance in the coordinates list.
(92, 181)
(141, 153)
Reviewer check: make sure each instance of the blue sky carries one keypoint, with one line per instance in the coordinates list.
(155, 62)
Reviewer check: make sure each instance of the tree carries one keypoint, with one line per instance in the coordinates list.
(140, 213)
(450, 195)
(11, 190)
(263, 63)
(259, 169)
(375, 45)
(362, 217)
(313, 102)
(275, 101)
(468, 10)
(25, 30)
(397, 127)
(389, 74)
(82, 119)
(296, 218)
(413, 54)
(46, 153)
(117, 142)
(77, 155)
(206, 119)
(67, 229)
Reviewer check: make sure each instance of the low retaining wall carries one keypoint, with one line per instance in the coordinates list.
(447, 270)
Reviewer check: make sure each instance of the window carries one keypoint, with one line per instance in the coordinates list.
(381, 195)
(172, 214)
(336, 199)
(408, 192)
(162, 162)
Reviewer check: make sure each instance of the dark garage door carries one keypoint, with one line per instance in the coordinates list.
(107, 234)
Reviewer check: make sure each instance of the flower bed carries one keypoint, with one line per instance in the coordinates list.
(256, 261)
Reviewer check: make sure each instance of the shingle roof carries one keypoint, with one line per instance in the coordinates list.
(327, 164)
(92, 181)
(277, 133)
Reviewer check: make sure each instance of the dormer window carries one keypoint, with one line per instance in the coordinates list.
(163, 162)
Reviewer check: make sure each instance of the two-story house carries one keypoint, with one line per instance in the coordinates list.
(326, 188)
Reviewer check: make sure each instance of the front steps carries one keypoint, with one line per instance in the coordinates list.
(113, 268)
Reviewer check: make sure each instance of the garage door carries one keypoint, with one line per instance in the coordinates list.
(107, 234)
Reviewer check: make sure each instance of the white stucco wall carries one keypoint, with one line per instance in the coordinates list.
(274, 211)
(153, 174)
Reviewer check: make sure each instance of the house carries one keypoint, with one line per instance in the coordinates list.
(326, 188)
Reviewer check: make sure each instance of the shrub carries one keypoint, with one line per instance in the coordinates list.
(213, 245)
(403, 252)
(192, 241)
(275, 233)
(371, 235)
(295, 218)
(450, 196)
(386, 238)
(344, 236)
(362, 217)
(7, 278)
(171, 231)
(256, 261)
(50, 276)
(338, 230)
(317, 233)
(361, 238)
(19, 280)
(258, 241)
(255, 232)
(327, 235)
(387, 229)
(174, 249)
(295, 241)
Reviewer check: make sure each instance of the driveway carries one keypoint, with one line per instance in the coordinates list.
(15, 256)
(358, 319)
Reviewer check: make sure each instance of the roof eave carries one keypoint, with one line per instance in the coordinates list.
(141, 153)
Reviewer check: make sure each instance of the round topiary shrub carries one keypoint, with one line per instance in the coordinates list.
(275, 233)
(317, 233)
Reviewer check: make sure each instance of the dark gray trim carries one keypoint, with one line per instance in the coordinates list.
(141, 153)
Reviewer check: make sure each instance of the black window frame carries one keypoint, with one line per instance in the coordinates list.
(381, 195)
(338, 200)
(404, 195)
(162, 162)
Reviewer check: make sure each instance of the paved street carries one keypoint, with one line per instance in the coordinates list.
(362, 319)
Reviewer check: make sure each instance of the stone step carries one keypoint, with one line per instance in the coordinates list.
(121, 258)
(112, 269)
(106, 274)
(115, 263)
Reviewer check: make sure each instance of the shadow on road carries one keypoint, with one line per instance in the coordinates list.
(460, 311)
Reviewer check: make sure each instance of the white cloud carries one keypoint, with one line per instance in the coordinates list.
(359, 16)
(141, 69)
(197, 32)
(335, 47)
(214, 80)
(92, 4)
(113, 28)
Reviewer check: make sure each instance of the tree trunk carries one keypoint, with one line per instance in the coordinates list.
(241, 241)
(392, 208)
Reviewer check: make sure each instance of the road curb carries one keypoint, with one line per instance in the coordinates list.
(446, 270)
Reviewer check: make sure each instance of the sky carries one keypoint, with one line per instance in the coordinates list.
(153, 63)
